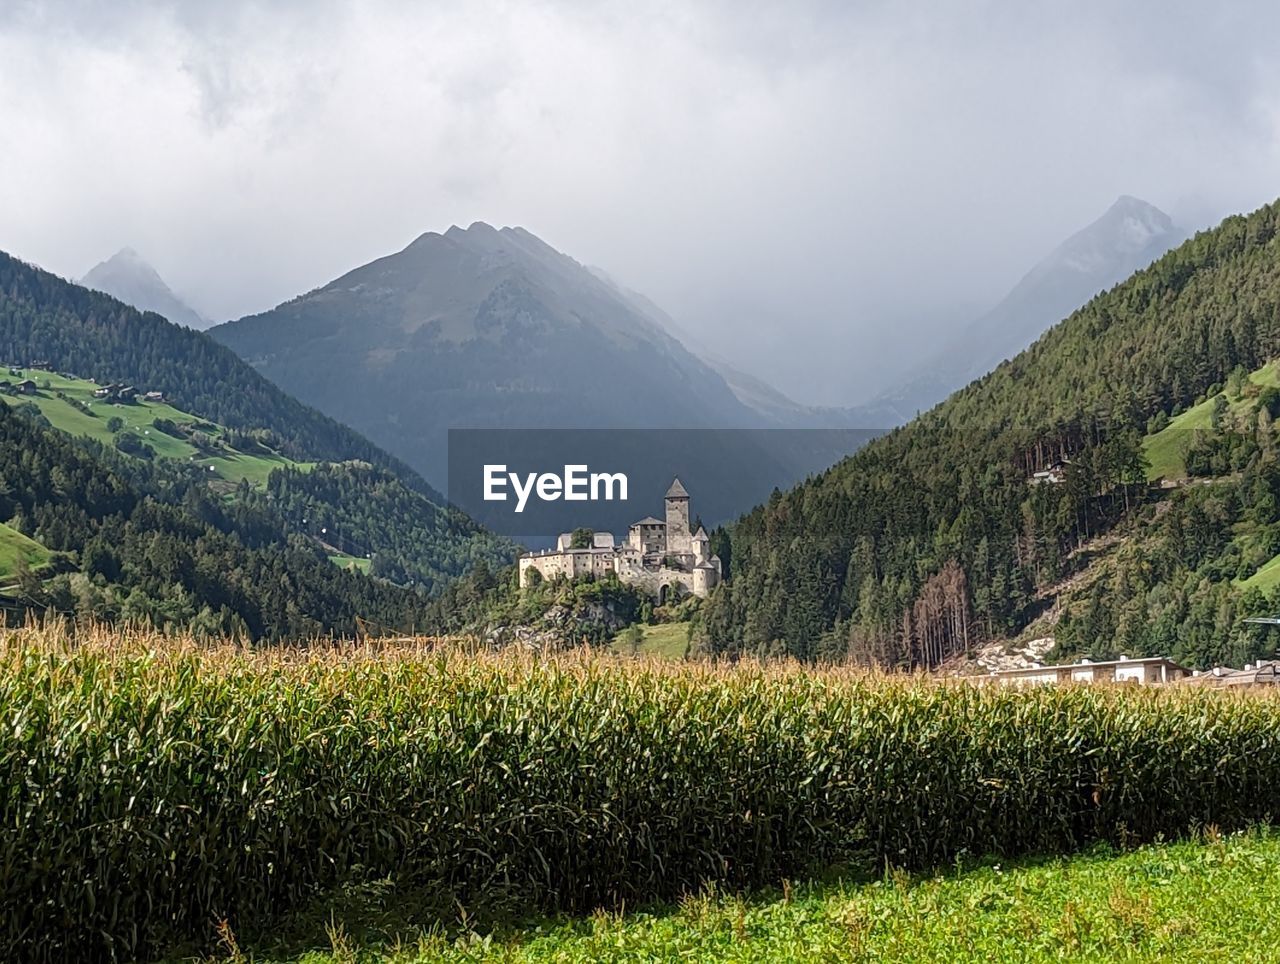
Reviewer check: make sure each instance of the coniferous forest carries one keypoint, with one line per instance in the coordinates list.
(934, 538)
(142, 538)
(200, 564)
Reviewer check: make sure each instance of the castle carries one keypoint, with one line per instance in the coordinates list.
(657, 555)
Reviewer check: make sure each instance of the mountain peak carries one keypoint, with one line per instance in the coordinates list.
(1127, 202)
(131, 278)
(1139, 222)
(126, 258)
(1128, 236)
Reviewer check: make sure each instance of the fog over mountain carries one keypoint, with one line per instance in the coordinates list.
(479, 328)
(820, 191)
(1130, 235)
(127, 275)
(482, 327)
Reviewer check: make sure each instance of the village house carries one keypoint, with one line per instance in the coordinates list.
(26, 387)
(1265, 672)
(658, 554)
(1146, 671)
(116, 392)
(1055, 474)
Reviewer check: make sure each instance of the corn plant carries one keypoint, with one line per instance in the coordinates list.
(153, 791)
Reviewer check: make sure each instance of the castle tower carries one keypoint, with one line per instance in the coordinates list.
(701, 545)
(679, 538)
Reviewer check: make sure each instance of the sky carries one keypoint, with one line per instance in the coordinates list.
(817, 190)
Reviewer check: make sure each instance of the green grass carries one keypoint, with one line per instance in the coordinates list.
(1166, 449)
(669, 640)
(344, 561)
(139, 418)
(14, 546)
(1266, 578)
(1197, 900)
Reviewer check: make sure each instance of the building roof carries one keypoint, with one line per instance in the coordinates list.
(701, 533)
(677, 491)
(648, 521)
(1267, 672)
(1088, 664)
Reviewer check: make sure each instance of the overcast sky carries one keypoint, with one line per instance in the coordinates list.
(817, 188)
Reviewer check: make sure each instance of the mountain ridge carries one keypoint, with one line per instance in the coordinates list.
(480, 327)
(1128, 236)
(128, 276)
(943, 533)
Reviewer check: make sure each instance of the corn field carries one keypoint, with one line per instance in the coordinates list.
(153, 788)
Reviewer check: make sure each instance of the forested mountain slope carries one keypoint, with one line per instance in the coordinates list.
(46, 318)
(242, 427)
(935, 537)
(1130, 235)
(199, 563)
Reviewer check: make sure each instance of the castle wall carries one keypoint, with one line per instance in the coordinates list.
(626, 564)
(648, 541)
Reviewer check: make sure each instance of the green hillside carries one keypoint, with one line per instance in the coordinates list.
(15, 547)
(63, 401)
(936, 537)
(185, 560)
(1166, 449)
(223, 428)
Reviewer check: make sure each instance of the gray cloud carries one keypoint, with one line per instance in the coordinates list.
(817, 188)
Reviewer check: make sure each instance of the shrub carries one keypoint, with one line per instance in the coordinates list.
(132, 444)
(168, 426)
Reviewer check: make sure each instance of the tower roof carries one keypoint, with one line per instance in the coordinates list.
(677, 491)
(701, 533)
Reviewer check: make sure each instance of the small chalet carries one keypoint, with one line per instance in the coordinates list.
(1055, 474)
(116, 392)
(25, 387)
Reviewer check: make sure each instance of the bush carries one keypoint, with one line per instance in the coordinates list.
(132, 444)
(169, 427)
(151, 791)
(32, 412)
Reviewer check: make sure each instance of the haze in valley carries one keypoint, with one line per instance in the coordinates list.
(822, 193)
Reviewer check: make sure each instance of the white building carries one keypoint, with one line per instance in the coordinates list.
(1145, 671)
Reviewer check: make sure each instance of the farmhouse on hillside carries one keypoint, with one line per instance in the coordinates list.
(657, 556)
